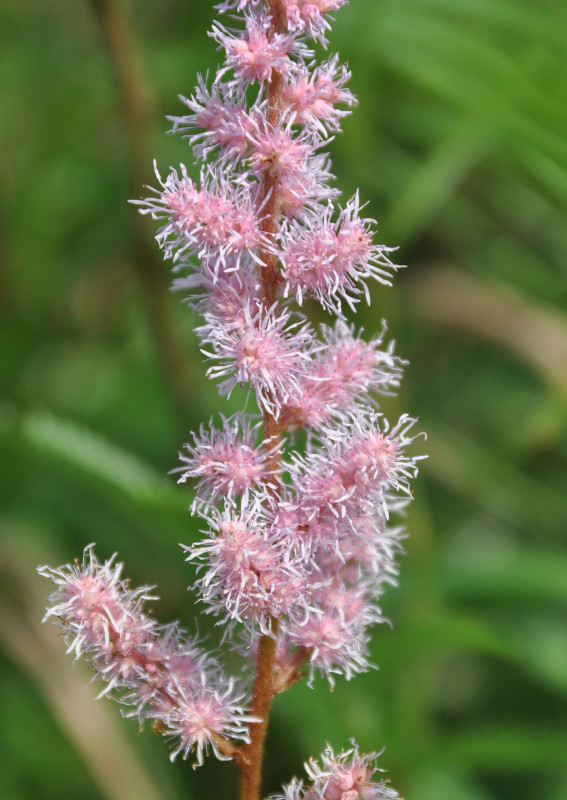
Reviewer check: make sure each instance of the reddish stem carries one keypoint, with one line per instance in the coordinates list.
(250, 761)
(251, 757)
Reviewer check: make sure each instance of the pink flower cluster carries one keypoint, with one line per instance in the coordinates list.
(347, 776)
(297, 543)
(155, 669)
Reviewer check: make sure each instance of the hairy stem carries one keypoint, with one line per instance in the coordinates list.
(262, 693)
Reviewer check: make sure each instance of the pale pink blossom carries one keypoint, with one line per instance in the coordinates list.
(219, 118)
(329, 260)
(197, 718)
(279, 154)
(155, 670)
(246, 573)
(253, 54)
(227, 462)
(313, 97)
(99, 613)
(267, 353)
(334, 637)
(343, 373)
(371, 454)
(229, 296)
(310, 16)
(214, 220)
(302, 194)
(347, 776)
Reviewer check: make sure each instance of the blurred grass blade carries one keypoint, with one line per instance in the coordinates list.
(520, 575)
(504, 747)
(533, 332)
(492, 483)
(37, 649)
(100, 459)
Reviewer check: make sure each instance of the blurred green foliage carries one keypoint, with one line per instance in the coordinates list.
(459, 145)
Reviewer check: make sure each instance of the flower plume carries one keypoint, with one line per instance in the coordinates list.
(299, 493)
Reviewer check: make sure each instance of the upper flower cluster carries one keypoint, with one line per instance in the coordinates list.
(263, 159)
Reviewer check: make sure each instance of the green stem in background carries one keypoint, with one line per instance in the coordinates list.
(138, 111)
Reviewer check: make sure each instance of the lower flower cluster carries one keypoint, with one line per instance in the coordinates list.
(308, 544)
(346, 776)
(155, 670)
(160, 674)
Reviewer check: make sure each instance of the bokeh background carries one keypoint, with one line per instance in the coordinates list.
(459, 145)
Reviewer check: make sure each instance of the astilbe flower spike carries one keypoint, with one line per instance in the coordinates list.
(298, 540)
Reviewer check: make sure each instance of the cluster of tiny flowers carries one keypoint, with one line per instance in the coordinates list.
(347, 776)
(155, 670)
(298, 540)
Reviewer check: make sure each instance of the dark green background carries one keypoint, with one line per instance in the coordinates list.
(459, 145)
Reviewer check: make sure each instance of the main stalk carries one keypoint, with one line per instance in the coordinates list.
(263, 687)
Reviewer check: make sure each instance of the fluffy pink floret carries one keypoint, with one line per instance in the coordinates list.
(347, 776)
(358, 471)
(334, 637)
(227, 296)
(100, 614)
(219, 118)
(254, 55)
(364, 557)
(197, 719)
(104, 622)
(214, 220)
(330, 260)
(172, 660)
(303, 192)
(226, 462)
(246, 572)
(343, 373)
(313, 97)
(154, 669)
(279, 154)
(309, 16)
(370, 454)
(267, 353)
